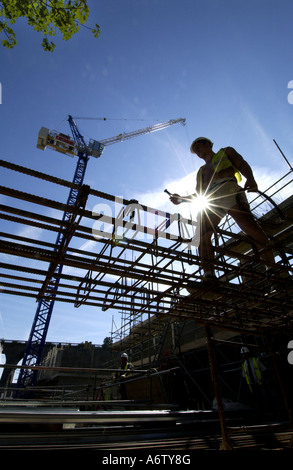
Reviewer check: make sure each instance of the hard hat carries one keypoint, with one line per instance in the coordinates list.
(244, 350)
(124, 355)
(198, 140)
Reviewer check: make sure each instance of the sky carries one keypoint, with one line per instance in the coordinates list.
(223, 65)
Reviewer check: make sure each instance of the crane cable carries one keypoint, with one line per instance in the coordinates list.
(114, 119)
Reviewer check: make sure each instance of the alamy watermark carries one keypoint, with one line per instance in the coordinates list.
(134, 221)
(0, 93)
(290, 94)
(290, 355)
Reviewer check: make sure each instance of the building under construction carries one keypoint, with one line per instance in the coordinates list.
(184, 343)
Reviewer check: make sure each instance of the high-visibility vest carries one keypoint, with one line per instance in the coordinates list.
(257, 372)
(220, 161)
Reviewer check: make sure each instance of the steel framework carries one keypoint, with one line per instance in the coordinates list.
(142, 263)
(140, 260)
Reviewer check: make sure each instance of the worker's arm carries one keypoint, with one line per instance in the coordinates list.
(242, 166)
(177, 199)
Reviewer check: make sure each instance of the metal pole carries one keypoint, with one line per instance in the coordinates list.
(281, 382)
(283, 155)
(225, 444)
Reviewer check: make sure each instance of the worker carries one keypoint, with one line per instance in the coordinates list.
(126, 368)
(218, 181)
(253, 371)
(125, 365)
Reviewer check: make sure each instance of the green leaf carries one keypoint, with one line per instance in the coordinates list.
(96, 31)
(48, 46)
(46, 17)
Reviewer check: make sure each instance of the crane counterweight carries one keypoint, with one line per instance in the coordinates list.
(57, 141)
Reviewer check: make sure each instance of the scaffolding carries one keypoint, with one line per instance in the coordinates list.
(248, 304)
(141, 260)
(124, 256)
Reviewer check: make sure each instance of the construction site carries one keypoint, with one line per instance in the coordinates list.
(186, 390)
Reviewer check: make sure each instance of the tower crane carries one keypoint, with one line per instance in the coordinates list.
(72, 146)
(64, 144)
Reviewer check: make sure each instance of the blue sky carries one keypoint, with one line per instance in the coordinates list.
(224, 65)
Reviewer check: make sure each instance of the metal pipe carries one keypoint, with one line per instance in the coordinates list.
(283, 155)
(225, 443)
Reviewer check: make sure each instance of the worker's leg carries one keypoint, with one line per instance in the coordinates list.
(251, 228)
(209, 222)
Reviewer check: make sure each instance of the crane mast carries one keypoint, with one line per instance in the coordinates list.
(75, 146)
(36, 342)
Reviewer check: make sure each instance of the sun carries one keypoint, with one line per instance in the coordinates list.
(201, 202)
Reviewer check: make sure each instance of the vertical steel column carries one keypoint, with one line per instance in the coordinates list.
(281, 382)
(225, 443)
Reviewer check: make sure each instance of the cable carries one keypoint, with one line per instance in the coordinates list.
(114, 119)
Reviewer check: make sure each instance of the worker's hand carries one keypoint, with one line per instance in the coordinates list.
(251, 185)
(176, 199)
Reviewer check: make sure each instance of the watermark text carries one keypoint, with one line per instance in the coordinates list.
(290, 355)
(134, 221)
(290, 95)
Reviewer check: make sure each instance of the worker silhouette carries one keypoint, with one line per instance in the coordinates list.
(218, 180)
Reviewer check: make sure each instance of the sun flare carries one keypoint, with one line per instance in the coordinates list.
(202, 202)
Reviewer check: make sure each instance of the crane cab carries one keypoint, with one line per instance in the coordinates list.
(96, 148)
